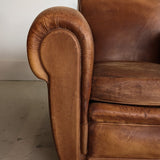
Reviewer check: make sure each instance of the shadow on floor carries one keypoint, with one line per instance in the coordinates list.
(25, 132)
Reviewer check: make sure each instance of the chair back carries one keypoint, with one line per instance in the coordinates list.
(124, 30)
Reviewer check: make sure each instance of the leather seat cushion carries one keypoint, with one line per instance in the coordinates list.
(124, 131)
(136, 83)
(130, 141)
(124, 114)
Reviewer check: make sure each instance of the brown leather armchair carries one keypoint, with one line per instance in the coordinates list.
(113, 113)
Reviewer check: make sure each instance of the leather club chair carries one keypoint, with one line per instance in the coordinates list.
(114, 113)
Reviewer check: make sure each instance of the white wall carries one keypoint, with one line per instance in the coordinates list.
(16, 16)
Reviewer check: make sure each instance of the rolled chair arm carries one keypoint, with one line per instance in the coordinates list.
(73, 24)
(60, 17)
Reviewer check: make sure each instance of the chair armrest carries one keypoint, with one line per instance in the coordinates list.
(71, 23)
(66, 18)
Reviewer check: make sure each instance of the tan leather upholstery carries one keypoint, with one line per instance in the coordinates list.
(61, 52)
(124, 30)
(124, 131)
(116, 113)
(124, 140)
(92, 158)
(51, 52)
(127, 83)
(126, 36)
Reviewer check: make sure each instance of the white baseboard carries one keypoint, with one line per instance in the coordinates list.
(16, 70)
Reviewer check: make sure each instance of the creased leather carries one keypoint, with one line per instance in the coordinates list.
(124, 114)
(107, 140)
(135, 83)
(124, 30)
(72, 20)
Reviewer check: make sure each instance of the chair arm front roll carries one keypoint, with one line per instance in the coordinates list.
(63, 29)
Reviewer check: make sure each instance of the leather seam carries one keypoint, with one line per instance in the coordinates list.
(122, 124)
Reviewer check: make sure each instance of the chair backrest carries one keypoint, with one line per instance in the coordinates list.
(124, 30)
